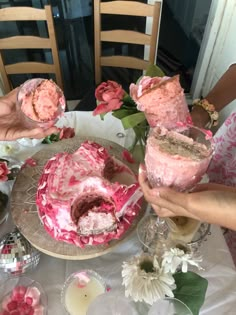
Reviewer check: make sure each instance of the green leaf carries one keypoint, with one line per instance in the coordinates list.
(54, 137)
(133, 120)
(154, 71)
(128, 101)
(121, 113)
(102, 116)
(191, 290)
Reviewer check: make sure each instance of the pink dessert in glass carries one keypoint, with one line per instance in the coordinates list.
(22, 296)
(177, 160)
(162, 100)
(80, 200)
(41, 102)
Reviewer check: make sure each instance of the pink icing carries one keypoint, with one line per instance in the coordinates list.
(169, 163)
(41, 100)
(77, 200)
(162, 100)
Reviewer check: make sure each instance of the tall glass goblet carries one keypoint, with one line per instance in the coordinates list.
(176, 159)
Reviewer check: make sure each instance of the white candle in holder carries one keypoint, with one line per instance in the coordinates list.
(80, 289)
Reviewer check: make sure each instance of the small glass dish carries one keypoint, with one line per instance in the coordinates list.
(36, 103)
(170, 306)
(80, 289)
(112, 303)
(23, 294)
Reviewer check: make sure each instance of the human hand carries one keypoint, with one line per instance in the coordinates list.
(212, 203)
(11, 126)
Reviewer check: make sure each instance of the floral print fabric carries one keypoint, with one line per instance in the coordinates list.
(222, 169)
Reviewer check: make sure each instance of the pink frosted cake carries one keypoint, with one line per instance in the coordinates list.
(41, 100)
(79, 199)
(176, 160)
(162, 100)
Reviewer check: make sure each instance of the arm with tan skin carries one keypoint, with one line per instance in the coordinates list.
(204, 204)
(11, 126)
(220, 96)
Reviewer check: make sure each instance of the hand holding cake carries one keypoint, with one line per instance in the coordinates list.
(41, 102)
(11, 125)
(205, 203)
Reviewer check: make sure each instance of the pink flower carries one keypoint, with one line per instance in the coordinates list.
(110, 95)
(66, 133)
(4, 171)
(29, 162)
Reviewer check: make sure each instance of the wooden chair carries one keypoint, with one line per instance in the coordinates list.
(29, 42)
(127, 8)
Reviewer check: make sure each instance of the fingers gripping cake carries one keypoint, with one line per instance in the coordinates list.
(79, 200)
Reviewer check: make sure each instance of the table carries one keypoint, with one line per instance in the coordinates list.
(52, 272)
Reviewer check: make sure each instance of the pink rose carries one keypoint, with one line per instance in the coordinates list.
(110, 95)
(4, 171)
(66, 133)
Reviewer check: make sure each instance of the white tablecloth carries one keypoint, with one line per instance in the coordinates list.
(52, 272)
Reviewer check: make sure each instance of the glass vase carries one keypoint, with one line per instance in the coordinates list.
(135, 141)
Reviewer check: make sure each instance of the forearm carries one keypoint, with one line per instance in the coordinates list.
(216, 207)
(220, 96)
(224, 91)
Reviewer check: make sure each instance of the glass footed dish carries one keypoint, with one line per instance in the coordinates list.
(151, 233)
(20, 294)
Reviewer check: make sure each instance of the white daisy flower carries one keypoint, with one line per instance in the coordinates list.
(9, 147)
(176, 257)
(145, 280)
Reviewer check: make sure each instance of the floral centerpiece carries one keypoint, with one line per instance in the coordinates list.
(148, 278)
(9, 168)
(112, 98)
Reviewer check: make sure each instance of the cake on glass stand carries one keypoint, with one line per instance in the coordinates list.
(177, 159)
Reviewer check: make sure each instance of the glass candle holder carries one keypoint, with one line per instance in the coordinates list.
(40, 103)
(79, 291)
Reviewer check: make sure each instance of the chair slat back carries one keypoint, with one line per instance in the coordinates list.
(125, 8)
(29, 42)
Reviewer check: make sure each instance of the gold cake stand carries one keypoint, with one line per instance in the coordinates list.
(24, 210)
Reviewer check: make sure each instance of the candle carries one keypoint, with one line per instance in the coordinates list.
(80, 290)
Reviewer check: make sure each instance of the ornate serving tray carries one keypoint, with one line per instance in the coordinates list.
(24, 210)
